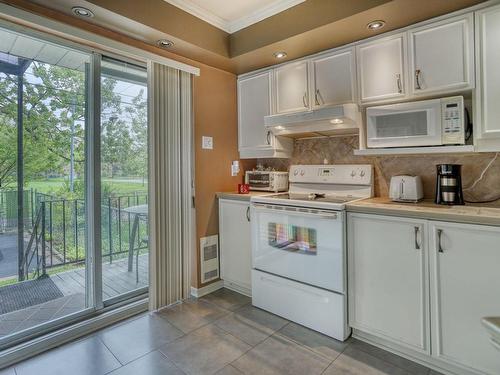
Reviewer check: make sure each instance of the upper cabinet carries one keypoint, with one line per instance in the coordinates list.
(441, 56)
(487, 99)
(291, 82)
(254, 102)
(333, 79)
(381, 69)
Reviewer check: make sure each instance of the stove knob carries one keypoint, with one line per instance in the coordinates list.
(362, 173)
(302, 172)
(353, 173)
(296, 172)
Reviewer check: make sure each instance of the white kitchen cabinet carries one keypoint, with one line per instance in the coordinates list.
(487, 99)
(465, 287)
(291, 83)
(235, 244)
(388, 279)
(441, 56)
(254, 102)
(381, 69)
(334, 79)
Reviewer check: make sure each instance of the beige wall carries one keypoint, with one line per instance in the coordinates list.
(215, 114)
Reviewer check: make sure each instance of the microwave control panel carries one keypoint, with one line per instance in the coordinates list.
(453, 122)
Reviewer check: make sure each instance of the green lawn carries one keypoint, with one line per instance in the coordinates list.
(122, 185)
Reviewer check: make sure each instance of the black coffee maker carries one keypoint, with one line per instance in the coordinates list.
(449, 184)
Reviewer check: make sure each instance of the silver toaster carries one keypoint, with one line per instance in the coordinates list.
(406, 189)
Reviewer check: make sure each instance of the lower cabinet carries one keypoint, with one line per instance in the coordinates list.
(235, 245)
(388, 279)
(423, 292)
(465, 287)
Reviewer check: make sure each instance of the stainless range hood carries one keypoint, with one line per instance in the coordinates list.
(341, 119)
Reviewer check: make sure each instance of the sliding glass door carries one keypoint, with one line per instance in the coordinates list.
(124, 179)
(47, 162)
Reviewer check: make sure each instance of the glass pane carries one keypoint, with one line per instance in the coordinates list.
(409, 124)
(42, 182)
(292, 238)
(124, 175)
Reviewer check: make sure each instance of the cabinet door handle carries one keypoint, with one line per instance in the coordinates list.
(248, 213)
(417, 79)
(316, 94)
(268, 137)
(304, 99)
(417, 230)
(398, 80)
(320, 96)
(440, 234)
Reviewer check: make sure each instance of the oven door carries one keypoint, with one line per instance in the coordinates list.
(404, 125)
(305, 245)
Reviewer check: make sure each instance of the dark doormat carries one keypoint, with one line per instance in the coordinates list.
(27, 293)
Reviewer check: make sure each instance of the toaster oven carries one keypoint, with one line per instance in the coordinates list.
(267, 180)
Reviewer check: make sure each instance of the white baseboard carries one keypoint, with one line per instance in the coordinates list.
(210, 288)
(238, 288)
(423, 359)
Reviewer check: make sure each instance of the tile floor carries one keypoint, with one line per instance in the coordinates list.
(218, 334)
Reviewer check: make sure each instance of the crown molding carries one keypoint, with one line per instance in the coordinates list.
(232, 26)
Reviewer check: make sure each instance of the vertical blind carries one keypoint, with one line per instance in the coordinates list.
(170, 109)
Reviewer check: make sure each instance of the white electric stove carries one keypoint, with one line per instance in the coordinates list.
(299, 245)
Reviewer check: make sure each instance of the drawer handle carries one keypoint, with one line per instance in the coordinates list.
(440, 234)
(248, 213)
(268, 137)
(304, 99)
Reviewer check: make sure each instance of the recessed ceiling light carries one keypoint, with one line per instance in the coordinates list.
(82, 12)
(279, 55)
(336, 121)
(376, 25)
(164, 43)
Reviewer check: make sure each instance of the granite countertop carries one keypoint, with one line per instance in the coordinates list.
(242, 197)
(427, 209)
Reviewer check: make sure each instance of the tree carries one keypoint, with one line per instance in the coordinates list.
(54, 113)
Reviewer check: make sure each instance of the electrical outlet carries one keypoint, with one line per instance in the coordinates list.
(207, 143)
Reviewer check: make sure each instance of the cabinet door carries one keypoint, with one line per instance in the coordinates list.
(465, 287)
(441, 56)
(486, 108)
(334, 79)
(381, 67)
(235, 244)
(254, 102)
(388, 279)
(291, 87)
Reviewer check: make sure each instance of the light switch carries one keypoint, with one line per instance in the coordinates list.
(207, 143)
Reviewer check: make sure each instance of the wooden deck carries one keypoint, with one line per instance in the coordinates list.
(116, 281)
(116, 278)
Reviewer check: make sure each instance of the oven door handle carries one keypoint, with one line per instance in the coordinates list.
(319, 214)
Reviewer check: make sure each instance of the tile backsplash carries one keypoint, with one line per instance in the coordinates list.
(480, 171)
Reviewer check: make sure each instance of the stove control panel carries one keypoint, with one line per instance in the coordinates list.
(332, 174)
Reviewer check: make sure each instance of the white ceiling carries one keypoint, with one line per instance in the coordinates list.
(233, 15)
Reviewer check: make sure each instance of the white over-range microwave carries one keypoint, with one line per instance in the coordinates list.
(433, 122)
